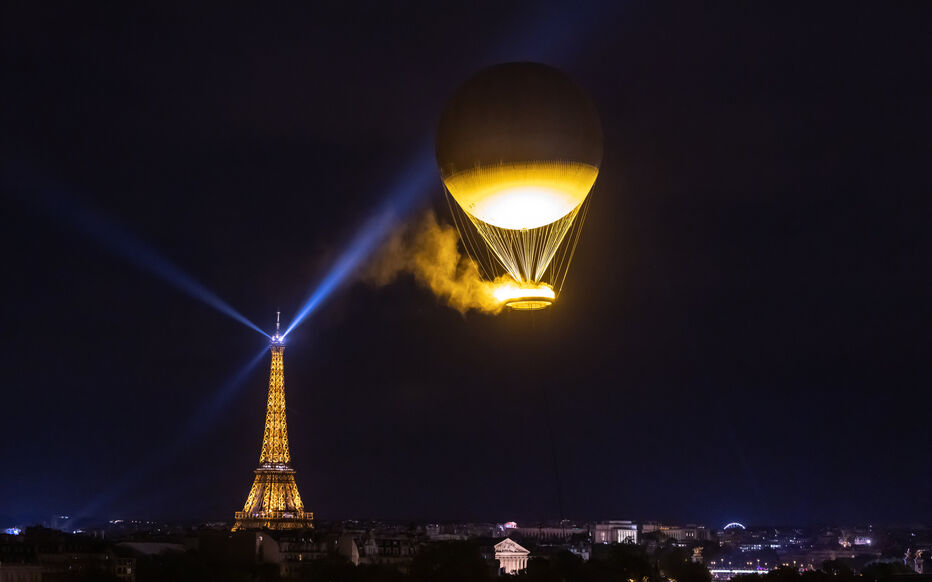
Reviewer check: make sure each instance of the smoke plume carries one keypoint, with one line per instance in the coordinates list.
(428, 250)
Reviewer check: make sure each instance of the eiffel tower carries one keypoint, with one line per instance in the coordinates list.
(274, 501)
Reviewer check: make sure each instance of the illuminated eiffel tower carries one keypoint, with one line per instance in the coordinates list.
(274, 501)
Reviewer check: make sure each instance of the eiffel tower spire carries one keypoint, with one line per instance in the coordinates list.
(274, 501)
(275, 438)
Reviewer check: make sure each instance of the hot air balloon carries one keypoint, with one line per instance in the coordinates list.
(519, 147)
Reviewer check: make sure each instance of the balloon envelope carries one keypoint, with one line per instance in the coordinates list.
(519, 147)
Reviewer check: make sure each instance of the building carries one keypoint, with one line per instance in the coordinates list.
(615, 532)
(21, 573)
(52, 555)
(396, 549)
(463, 531)
(684, 534)
(273, 501)
(548, 533)
(511, 556)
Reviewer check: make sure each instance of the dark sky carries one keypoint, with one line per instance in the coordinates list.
(744, 334)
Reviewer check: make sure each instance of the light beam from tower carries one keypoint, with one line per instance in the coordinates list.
(67, 208)
(404, 194)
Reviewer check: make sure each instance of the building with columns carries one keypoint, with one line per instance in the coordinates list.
(689, 533)
(511, 556)
(615, 532)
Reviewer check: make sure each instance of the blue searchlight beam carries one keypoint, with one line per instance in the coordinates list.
(199, 424)
(403, 195)
(116, 239)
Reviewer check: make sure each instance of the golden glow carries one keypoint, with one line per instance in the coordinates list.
(275, 438)
(522, 196)
(524, 297)
(523, 211)
(273, 501)
(526, 253)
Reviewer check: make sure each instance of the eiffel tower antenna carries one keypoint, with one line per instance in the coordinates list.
(274, 501)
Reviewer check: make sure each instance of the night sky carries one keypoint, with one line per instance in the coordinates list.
(744, 334)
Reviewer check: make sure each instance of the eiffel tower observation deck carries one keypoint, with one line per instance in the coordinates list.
(274, 501)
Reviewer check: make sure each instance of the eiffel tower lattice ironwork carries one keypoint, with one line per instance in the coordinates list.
(274, 501)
